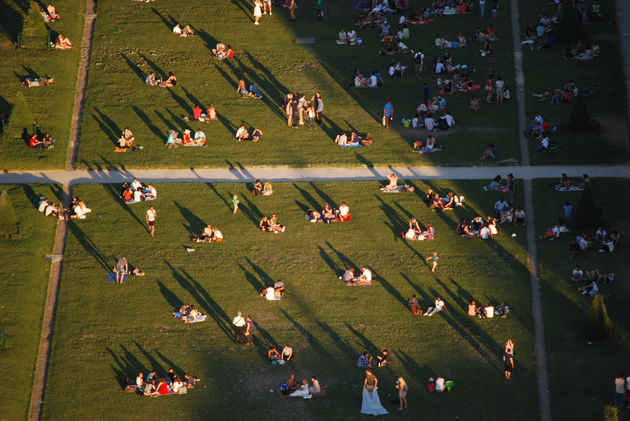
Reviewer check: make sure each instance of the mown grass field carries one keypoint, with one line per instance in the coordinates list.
(23, 286)
(573, 362)
(125, 50)
(105, 332)
(51, 106)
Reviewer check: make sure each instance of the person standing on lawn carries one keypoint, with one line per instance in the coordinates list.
(388, 114)
(239, 325)
(508, 363)
(434, 258)
(249, 330)
(150, 218)
(620, 390)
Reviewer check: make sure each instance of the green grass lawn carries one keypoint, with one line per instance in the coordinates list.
(125, 50)
(548, 69)
(105, 332)
(581, 374)
(23, 285)
(51, 106)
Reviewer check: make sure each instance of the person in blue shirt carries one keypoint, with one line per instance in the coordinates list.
(388, 114)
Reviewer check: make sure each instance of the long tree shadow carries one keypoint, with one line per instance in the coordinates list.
(155, 364)
(252, 279)
(418, 373)
(180, 121)
(264, 276)
(173, 300)
(346, 349)
(303, 206)
(169, 22)
(331, 128)
(209, 41)
(269, 84)
(181, 101)
(219, 195)
(312, 202)
(251, 211)
(195, 224)
(133, 66)
(107, 125)
(109, 188)
(203, 298)
(145, 118)
(244, 72)
(461, 292)
(329, 261)
(263, 341)
(227, 77)
(193, 98)
(89, 246)
(323, 195)
(311, 339)
(456, 297)
(345, 260)
(157, 69)
(125, 366)
(390, 288)
(423, 295)
(396, 222)
(244, 6)
(178, 370)
(367, 344)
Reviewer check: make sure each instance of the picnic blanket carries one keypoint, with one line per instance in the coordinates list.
(358, 284)
(472, 88)
(361, 5)
(111, 277)
(558, 187)
(131, 202)
(420, 22)
(404, 188)
(200, 318)
(351, 146)
(425, 150)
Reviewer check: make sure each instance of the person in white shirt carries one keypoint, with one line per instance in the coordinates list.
(501, 206)
(366, 275)
(448, 118)
(488, 311)
(303, 391)
(238, 324)
(177, 30)
(439, 68)
(140, 380)
(344, 210)
(439, 306)
(287, 353)
(484, 233)
(342, 140)
(577, 274)
(429, 123)
(43, 204)
(136, 185)
(342, 38)
(352, 37)
(373, 83)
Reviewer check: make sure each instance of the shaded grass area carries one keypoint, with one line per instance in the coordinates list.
(549, 68)
(23, 284)
(266, 55)
(573, 362)
(116, 330)
(51, 106)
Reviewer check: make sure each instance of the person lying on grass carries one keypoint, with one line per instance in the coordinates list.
(169, 82)
(253, 91)
(186, 32)
(62, 43)
(37, 82)
(52, 12)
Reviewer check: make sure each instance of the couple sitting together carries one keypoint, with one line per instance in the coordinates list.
(173, 140)
(365, 278)
(168, 83)
(36, 82)
(328, 214)
(261, 189)
(126, 141)
(46, 143)
(183, 32)
(243, 134)
(210, 234)
(189, 314)
(365, 360)
(221, 52)
(292, 390)
(429, 147)
(355, 140)
(49, 208)
(280, 358)
(137, 192)
(271, 224)
(434, 201)
(273, 292)
(415, 232)
(79, 208)
(488, 311)
(253, 92)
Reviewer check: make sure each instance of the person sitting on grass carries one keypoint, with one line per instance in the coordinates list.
(475, 105)
(414, 230)
(126, 141)
(385, 358)
(169, 82)
(37, 82)
(490, 153)
(242, 89)
(287, 353)
(273, 354)
(437, 202)
(274, 226)
(35, 143)
(257, 135)
(270, 293)
(577, 275)
(439, 306)
(393, 182)
(200, 138)
(365, 360)
(186, 32)
(366, 275)
(317, 390)
(52, 12)
(219, 51)
(62, 43)
(242, 133)
(151, 80)
(367, 140)
(313, 216)
(348, 275)
(344, 213)
(328, 214)
(267, 189)
(258, 188)
(473, 309)
(278, 287)
(414, 305)
(173, 139)
(591, 289)
(303, 392)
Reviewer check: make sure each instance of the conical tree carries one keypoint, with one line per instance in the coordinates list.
(598, 326)
(580, 120)
(611, 413)
(7, 213)
(570, 28)
(587, 215)
(21, 117)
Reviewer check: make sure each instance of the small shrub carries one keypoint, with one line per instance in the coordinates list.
(611, 413)
(587, 215)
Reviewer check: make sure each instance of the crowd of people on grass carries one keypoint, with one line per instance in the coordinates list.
(328, 214)
(153, 385)
(273, 292)
(76, 210)
(136, 192)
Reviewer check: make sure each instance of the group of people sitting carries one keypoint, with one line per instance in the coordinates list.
(137, 192)
(451, 201)
(189, 314)
(243, 134)
(267, 224)
(199, 115)
(414, 306)
(373, 81)
(604, 242)
(354, 140)
(415, 231)
(210, 234)
(477, 228)
(47, 142)
(365, 360)
(592, 280)
(280, 358)
(253, 91)
(186, 31)
(79, 209)
(349, 277)
(198, 139)
(50, 14)
(487, 312)
(126, 140)
(170, 81)
(567, 93)
(328, 214)
(221, 52)
(262, 189)
(429, 147)
(154, 386)
(36, 82)
(273, 292)
(348, 38)
(291, 389)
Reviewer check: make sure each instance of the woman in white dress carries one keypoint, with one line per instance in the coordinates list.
(371, 402)
(303, 392)
(257, 11)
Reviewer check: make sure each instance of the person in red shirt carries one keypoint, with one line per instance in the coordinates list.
(230, 52)
(162, 388)
(196, 112)
(35, 143)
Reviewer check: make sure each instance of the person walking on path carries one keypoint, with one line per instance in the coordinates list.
(434, 258)
(508, 362)
(150, 218)
(388, 114)
(239, 325)
(620, 390)
(249, 330)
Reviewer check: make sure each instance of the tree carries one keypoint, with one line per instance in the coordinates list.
(21, 117)
(611, 413)
(598, 326)
(580, 120)
(570, 27)
(587, 215)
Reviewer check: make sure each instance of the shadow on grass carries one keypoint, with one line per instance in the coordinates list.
(346, 349)
(251, 211)
(133, 66)
(312, 340)
(116, 197)
(147, 121)
(204, 299)
(89, 246)
(323, 195)
(418, 373)
(195, 224)
(125, 366)
(254, 77)
(180, 121)
(312, 202)
(245, 7)
(173, 300)
(158, 71)
(11, 20)
(169, 22)
(330, 262)
(155, 364)
(396, 223)
(252, 279)
(181, 101)
(209, 40)
(367, 345)
(423, 295)
(219, 195)
(107, 125)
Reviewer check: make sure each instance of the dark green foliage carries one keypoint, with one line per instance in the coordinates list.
(580, 120)
(598, 326)
(570, 28)
(587, 215)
